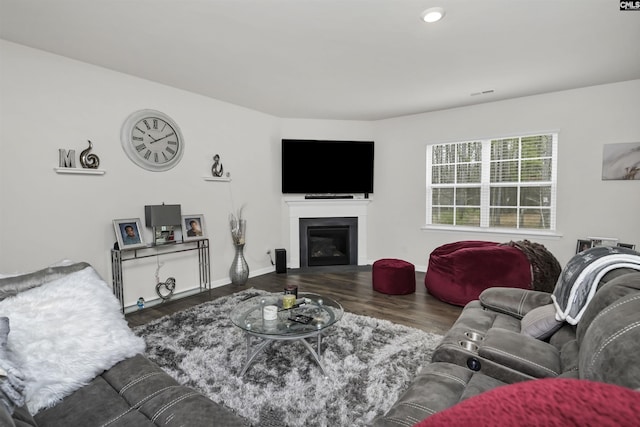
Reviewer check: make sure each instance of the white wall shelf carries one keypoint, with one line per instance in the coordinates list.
(211, 178)
(80, 171)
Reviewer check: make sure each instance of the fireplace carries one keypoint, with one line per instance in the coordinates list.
(328, 241)
(301, 208)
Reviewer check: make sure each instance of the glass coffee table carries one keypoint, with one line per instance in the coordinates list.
(310, 317)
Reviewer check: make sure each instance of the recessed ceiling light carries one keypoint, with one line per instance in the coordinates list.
(433, 14)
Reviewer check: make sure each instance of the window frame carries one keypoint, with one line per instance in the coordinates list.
(485, 188)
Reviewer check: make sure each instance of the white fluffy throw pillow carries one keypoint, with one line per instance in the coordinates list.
(64, 333)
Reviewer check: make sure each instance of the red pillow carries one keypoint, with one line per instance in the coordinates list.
(545, 402)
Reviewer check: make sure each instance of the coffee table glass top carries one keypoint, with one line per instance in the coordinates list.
(320, 312)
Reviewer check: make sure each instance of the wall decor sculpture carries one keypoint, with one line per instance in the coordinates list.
(89, 161)
(217, 169)
(67, 159)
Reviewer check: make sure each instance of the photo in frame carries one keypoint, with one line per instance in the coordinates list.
(583, 245)
(603, 241)
(129, 233)
(193, 227)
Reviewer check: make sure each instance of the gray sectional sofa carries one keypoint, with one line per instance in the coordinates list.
(134, 392)
(68, 358)
(495, 343)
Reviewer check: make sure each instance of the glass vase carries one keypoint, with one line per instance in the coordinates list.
(238, 230)
(239, 271)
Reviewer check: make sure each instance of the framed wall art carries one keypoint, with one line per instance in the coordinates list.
(129, 233)
(621, 161)
(193, 227)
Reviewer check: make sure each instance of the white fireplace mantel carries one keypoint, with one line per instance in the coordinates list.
(325, 208)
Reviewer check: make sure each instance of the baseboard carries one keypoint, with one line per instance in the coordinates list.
(157, 301)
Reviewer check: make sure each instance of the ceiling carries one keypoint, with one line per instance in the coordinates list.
(341, 59)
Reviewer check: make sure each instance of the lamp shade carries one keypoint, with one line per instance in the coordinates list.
(161, 215)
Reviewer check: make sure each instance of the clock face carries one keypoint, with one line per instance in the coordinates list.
(152, 140)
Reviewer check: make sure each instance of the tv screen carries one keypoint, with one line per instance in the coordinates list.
(327, 167)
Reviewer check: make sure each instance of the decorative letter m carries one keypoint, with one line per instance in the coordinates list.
(67, 160)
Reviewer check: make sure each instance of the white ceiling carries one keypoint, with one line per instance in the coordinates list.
(341, 59)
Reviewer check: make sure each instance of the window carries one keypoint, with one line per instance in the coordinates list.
(505, 183)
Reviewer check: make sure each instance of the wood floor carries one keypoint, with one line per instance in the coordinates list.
(351, 288)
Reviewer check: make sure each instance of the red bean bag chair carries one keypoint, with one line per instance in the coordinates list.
(458, 272)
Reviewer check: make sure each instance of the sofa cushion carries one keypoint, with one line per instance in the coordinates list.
(606, 297)
(540, 323)
(565, 334)
(520, 353)
(514, 302)
(64, 333)
(569, 358)
(545, 402)
(610, 347)
(20, 418)
(136, 392)
(437, 387)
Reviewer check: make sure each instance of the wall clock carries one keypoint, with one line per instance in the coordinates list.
(152, 140)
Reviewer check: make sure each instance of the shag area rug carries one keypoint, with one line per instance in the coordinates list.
(369, 363)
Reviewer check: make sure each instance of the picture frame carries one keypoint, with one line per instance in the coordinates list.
(129, 233)
(603, 241)
(193, 227)
(627, 245)
(583, 244)
(620, 160)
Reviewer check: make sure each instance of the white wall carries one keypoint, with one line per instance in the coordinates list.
(49, 102)
(587, 206)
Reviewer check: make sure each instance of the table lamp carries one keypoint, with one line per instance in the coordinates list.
(163, 219)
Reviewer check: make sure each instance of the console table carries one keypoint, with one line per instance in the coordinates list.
(118, 256)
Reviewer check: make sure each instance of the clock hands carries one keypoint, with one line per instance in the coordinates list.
(160, 139)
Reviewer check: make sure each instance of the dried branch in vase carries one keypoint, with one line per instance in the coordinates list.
(238, 226)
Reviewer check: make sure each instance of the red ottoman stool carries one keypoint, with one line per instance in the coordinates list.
(394, 276)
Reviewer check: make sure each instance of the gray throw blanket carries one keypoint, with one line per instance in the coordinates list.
(579, 279)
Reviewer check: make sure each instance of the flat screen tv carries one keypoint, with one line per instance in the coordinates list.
(327, 167)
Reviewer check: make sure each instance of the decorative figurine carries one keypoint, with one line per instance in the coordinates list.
(169, 285)
(89, 161)
(217, 169)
